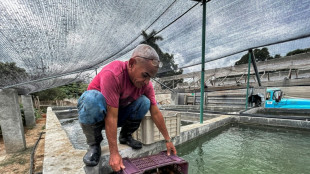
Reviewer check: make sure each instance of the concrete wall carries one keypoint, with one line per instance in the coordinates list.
(279, 112)
(170, 98)
(300, 124)
(226, 100)
(297, 91)
(164, 99)
(11, 121)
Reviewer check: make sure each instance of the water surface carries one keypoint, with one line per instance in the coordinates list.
(244, 149)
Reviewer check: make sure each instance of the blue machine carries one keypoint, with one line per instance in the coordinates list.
(274, 99)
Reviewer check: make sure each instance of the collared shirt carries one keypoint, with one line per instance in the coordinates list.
(114, 83)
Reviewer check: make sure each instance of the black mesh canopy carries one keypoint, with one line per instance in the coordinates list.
(58, 42)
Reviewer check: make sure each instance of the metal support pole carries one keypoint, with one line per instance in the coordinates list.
(255, 67)
(202, 88)
(248, 81)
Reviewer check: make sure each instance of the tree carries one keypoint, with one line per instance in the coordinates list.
(169, 67)
(73, 90)
(10, 73)
(298, 51)
(260, 55)
(277, 56)
(151, 39)
(51, 94)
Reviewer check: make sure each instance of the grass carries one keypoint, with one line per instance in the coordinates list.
(38, 113)
(18, 157)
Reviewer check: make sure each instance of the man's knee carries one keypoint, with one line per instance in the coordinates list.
(91, 107)
(144, 102)
(144, 106)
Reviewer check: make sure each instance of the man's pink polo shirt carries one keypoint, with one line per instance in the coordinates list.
(114, 83)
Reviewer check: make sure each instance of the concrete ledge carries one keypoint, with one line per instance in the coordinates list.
(59, 154)
(56, 108)
(279, 111)
(300, 124)
(64, 114)
(193, 131)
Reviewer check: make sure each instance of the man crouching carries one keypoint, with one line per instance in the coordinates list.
(120, 96)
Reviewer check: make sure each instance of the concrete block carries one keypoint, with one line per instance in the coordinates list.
(11, 121)
(28, 110)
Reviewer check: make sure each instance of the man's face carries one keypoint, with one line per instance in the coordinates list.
(141, 73)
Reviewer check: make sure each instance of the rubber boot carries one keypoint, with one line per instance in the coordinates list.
(125, 136)
(94, 138)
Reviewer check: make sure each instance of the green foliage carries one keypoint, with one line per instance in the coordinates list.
(43, 109)
(9, 73)
(73, 90)
(9, 68)
(260, 55)
(298, 51)
(151, 39)
(169, 67)
(263, 54)
(244, 59)
(277, 56)
(51, 94)
(38, 113)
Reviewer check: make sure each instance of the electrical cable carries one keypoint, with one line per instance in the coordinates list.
(163, 85)
(33, 152)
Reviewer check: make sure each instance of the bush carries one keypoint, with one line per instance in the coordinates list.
(38, 113)
(51, 94)
(73, 90)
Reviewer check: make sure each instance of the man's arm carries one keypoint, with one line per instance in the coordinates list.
(158, 119)
(111, 132)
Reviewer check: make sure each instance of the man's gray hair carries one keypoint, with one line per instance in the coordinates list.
(146, 51)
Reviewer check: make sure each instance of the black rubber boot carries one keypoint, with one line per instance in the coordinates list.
(125, 136)
(94, 138)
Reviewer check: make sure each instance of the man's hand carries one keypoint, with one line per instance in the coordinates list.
(171, 148)
(116, 162)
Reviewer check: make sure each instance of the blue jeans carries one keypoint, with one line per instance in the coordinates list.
(92, 108)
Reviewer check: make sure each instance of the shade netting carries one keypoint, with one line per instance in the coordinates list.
(58, 42)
